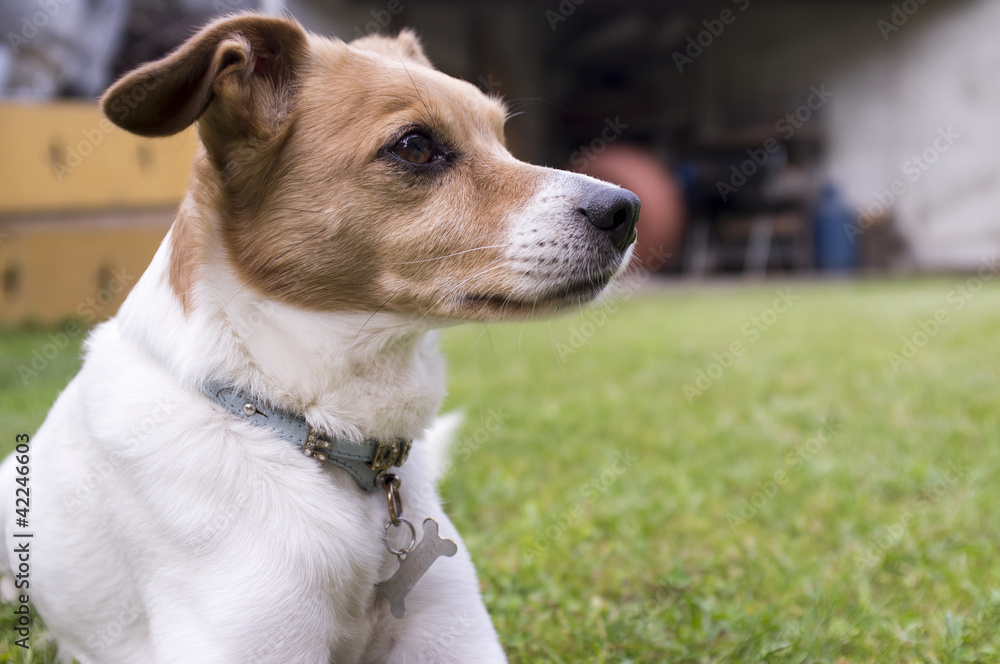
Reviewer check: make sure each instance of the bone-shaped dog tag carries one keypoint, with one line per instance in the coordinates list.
(413, 565)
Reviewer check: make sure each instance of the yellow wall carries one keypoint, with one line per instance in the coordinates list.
(74, 268)
(83, 206)
(68, 156)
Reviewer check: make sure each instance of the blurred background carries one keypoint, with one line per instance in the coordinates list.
(764, 137)
(817, 486)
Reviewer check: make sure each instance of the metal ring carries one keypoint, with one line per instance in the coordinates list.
(406, 549)
(393, 499)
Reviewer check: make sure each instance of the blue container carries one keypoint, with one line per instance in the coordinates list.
(834, 249)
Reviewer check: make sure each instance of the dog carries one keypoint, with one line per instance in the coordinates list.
(197, 493)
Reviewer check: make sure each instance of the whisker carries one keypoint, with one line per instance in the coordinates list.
(373, 315)
(476, 342)
(523, 100)
(552, 342)
(499, 265)
(290, 209)
(528, 101)
(414, 84)
(582, 318)
(457, 253)
(479, 389)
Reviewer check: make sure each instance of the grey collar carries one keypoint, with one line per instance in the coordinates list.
(367, 462)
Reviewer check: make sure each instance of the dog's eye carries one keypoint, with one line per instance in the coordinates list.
(416, 148)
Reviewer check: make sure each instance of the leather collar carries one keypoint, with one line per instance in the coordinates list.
(367, 462)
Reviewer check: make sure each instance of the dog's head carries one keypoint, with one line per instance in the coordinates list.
(353, 177)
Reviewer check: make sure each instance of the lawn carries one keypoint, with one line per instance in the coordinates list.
(803, 472)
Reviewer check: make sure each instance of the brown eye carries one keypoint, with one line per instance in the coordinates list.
(415, 148)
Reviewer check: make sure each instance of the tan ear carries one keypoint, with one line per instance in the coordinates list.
(405, 45)
(243, 67)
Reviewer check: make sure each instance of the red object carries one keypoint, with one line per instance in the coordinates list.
(662, 218)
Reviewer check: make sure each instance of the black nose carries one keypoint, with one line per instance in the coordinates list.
(615, 211)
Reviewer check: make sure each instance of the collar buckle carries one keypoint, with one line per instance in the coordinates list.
(366, 462)
(315, 446)
(391, 453)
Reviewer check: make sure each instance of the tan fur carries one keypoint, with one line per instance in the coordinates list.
(312, 213)
(192, 231)
(377, 235)
(406, 45)
(335, 182)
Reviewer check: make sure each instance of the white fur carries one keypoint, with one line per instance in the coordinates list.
(548, 244)
(169, 531)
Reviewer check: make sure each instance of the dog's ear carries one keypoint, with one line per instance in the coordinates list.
(409, 47)
(237, 74)
(405, 45)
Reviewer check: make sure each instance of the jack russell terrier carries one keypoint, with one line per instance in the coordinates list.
(227, 479)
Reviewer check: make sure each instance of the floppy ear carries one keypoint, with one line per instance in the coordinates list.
(405, 45)
(238, 72)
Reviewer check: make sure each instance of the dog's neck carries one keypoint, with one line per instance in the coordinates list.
(353, 375)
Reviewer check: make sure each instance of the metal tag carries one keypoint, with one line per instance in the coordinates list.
(412, 566)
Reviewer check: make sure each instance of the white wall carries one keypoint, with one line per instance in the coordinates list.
(940, 71)
(891, 98)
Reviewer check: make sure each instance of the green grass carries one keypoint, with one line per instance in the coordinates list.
(814, 504)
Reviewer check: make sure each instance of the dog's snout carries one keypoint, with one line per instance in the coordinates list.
(615, 211)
